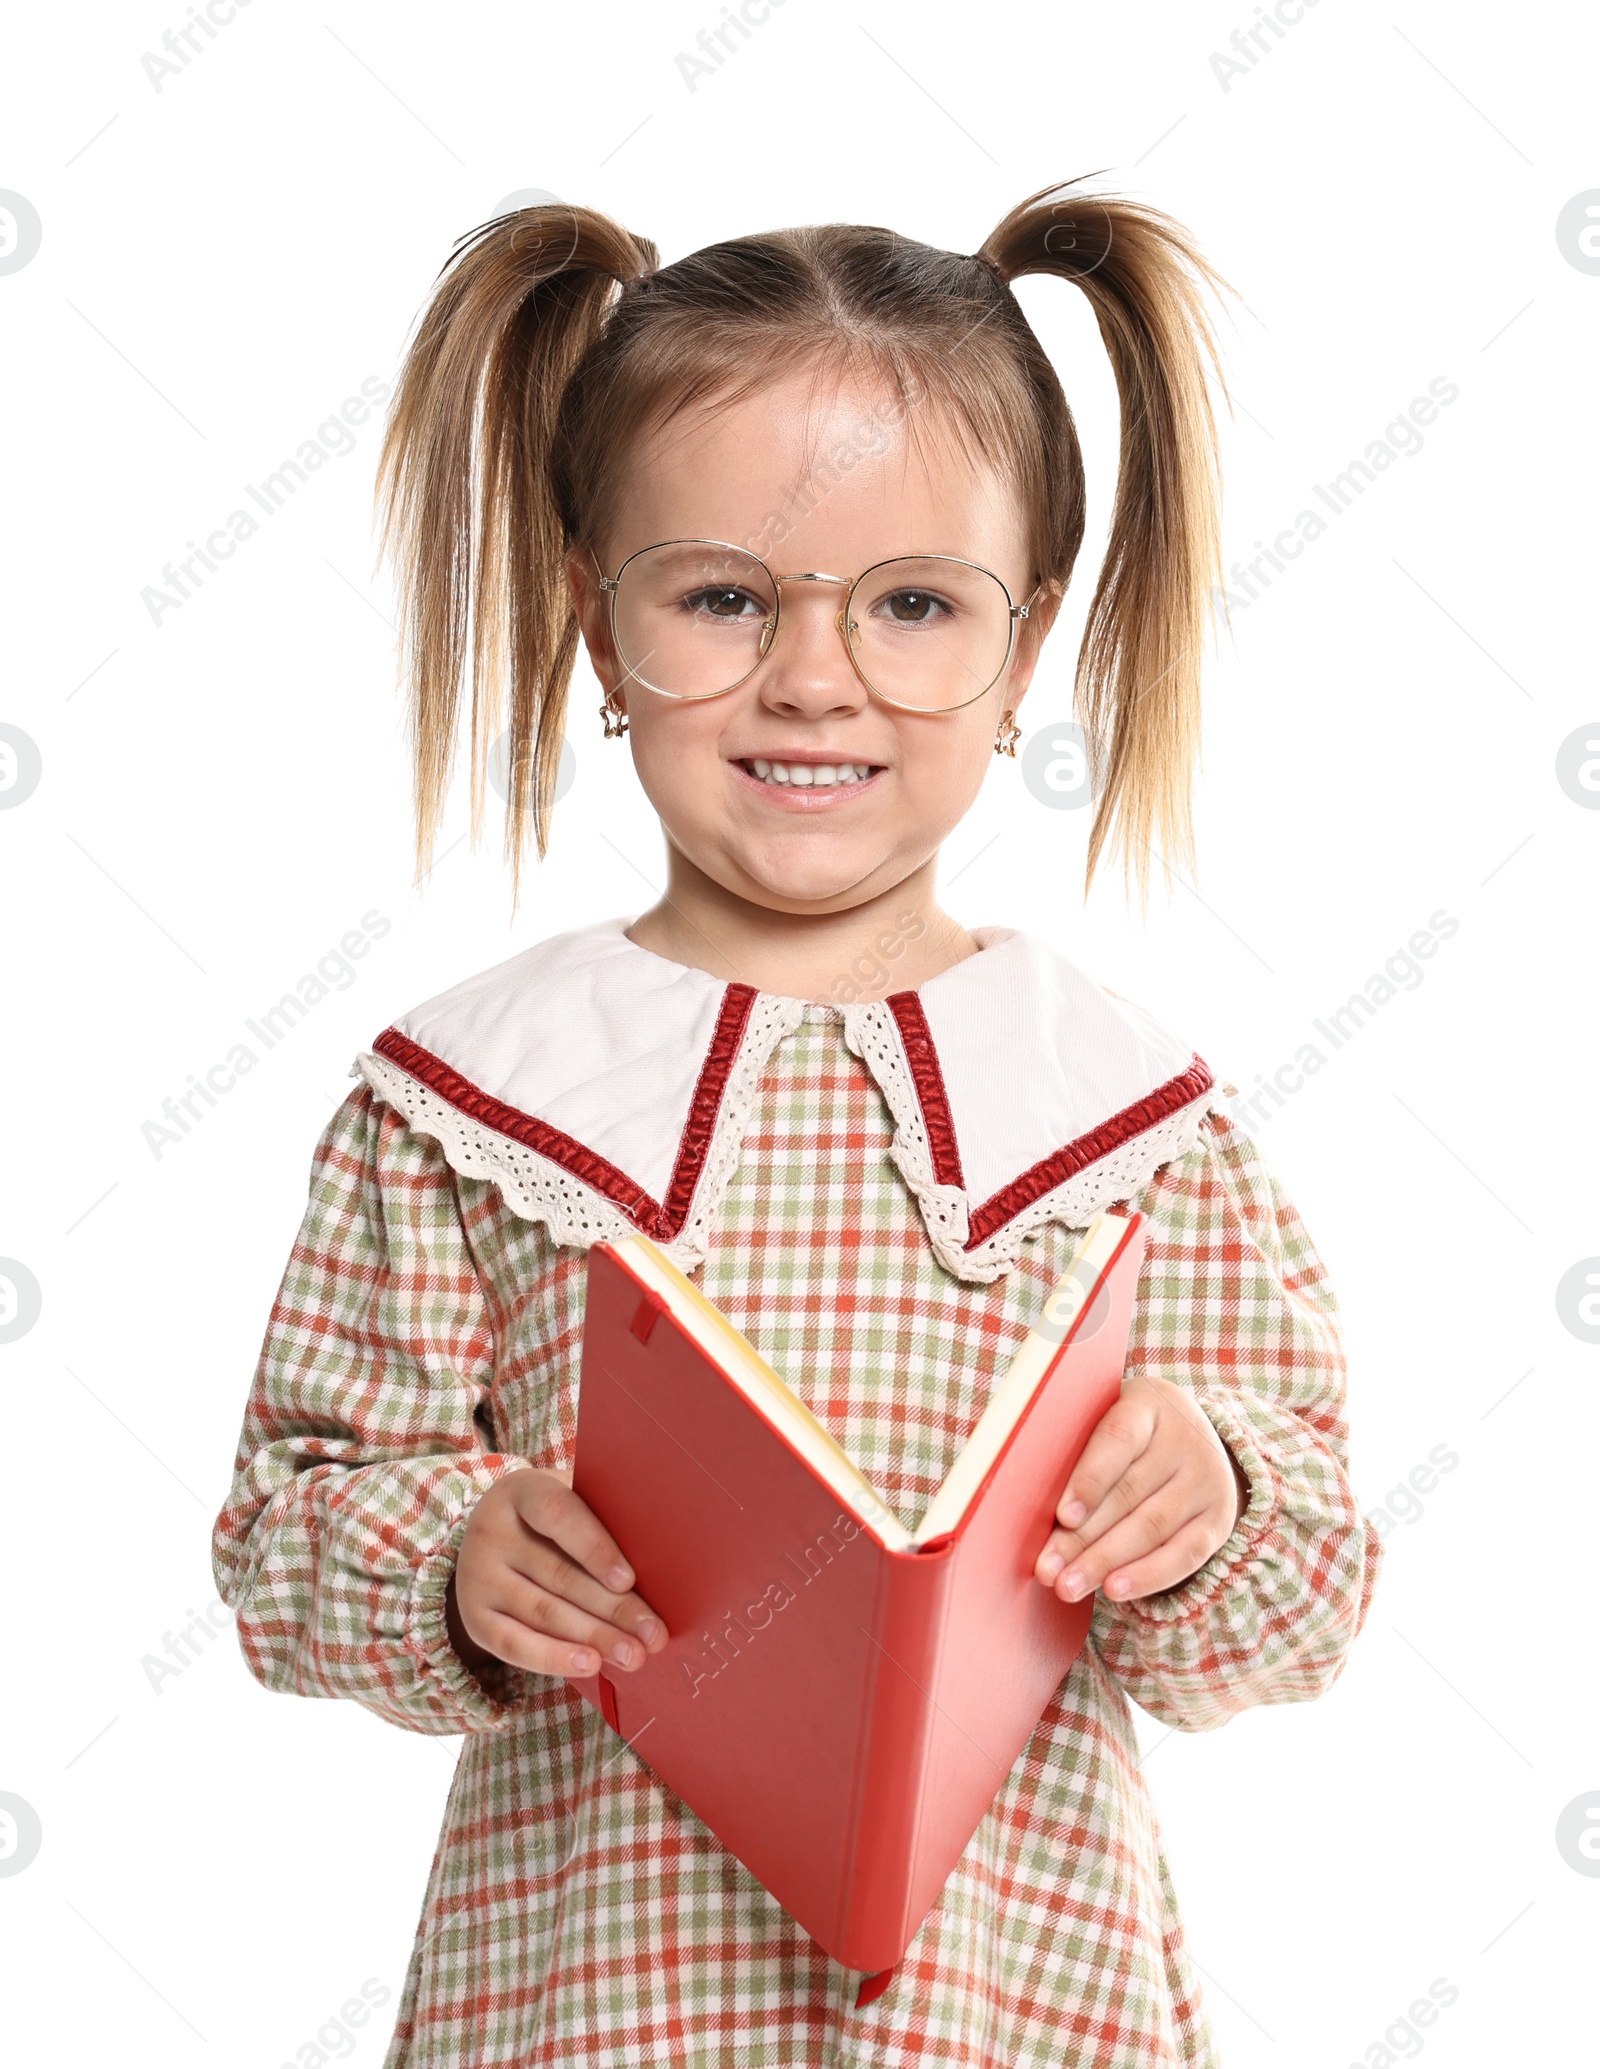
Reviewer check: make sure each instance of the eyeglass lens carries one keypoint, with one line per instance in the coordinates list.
(693, 619)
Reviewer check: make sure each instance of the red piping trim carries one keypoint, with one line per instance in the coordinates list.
(695, 1141)
(916, 1039)
(1088, 1149)
(660, 1222)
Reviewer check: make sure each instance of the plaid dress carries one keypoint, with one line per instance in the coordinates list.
(426, 1341)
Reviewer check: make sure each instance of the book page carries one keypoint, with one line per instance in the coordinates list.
(1016, 1387)
(736, 1356)
(707, 1326)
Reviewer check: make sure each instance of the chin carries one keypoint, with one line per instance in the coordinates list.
(833, 889)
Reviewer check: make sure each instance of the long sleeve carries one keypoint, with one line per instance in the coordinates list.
(1235, 1304)
(361, 1455)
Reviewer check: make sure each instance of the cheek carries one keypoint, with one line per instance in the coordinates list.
(945, 768)
(674, 752)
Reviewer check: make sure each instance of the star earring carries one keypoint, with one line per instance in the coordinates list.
(1007, 735)
(616, 719)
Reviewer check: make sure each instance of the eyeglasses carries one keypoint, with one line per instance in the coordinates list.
(694, 618)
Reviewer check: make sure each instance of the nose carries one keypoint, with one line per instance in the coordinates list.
(807, 672)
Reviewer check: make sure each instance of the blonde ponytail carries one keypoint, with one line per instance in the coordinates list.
(467, 511)
(1138, 673)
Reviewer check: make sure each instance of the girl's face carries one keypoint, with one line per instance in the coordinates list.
(723, 473)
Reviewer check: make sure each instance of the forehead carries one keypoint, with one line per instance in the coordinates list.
(819, 473)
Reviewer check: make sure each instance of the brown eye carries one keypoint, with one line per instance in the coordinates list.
(913, 606)
(720, 603)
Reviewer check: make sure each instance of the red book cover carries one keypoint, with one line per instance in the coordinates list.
(840, 1706)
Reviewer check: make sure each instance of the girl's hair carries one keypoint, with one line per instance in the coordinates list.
(554, 340)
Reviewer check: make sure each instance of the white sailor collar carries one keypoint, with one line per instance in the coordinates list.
(604, 1089)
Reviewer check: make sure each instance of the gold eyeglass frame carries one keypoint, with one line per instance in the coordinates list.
(769, 631)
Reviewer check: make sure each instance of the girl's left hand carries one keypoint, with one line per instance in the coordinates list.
(1154, 1494)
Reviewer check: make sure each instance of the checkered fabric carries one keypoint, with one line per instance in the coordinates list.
(426, 1341)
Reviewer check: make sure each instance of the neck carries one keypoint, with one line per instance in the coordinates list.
(894, 941)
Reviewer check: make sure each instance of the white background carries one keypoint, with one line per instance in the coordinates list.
(224, 795)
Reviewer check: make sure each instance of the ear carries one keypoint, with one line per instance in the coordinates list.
(592, 607)
(1031, 637)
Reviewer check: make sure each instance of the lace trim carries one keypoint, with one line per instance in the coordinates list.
(539, 1189)
(1139, 1118)
(1118, 1176)
(771, 1018)
(873, 1034)
(530, 1185)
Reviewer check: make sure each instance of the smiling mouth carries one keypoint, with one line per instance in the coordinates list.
(809, 775)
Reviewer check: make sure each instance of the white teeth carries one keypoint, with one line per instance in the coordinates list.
(811, 775)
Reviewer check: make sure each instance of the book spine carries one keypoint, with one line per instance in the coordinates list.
(892, 1755)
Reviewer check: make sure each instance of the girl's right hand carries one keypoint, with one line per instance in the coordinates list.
(541, 1584)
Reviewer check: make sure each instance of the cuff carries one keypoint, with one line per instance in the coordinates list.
(455, 1687)
(1239, 1551)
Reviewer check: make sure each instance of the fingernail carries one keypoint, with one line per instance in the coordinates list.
(648, 1628)
(584, 1661)
(1118, 1585)
(1050, 1565)
(1074, 1514)
(622, 1653)
(1074, 1585)
(619, 1578)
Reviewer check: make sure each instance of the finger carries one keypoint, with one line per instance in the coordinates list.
(1116, 1441)
(1169, 1564)
(534, 1617)
(1137, 1481)
(1152, 1523)
(535, 1652)
(554, 1511)
(543, 1562)
(1145, 1476)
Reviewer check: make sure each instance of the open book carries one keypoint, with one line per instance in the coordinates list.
(840, 1698)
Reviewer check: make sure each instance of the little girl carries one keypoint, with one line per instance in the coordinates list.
(811, 500)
